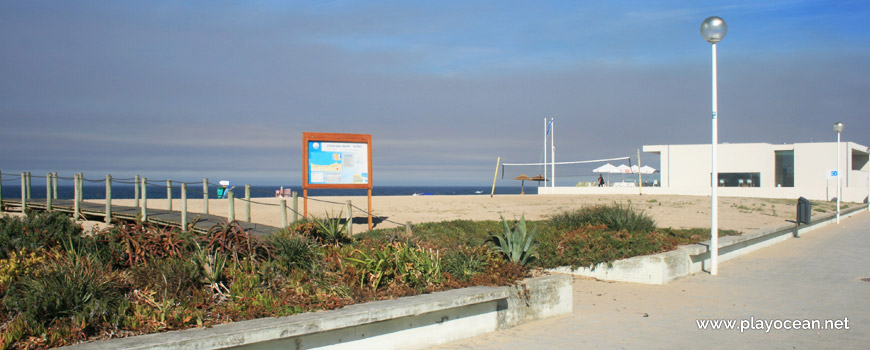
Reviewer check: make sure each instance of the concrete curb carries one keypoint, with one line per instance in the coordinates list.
(406, 323)
(686, 260)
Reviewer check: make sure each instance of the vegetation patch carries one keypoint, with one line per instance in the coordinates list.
(61, 286)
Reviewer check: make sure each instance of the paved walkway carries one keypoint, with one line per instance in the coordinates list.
(816, 277)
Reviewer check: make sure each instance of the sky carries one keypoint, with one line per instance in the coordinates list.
(225, 89)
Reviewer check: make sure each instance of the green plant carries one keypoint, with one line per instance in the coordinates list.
(333, 228)
(36, 230)
(399, 262)
(175, 277)
(517, 244)
(234, 240)
(18, 264)
(464, 263)
(211, 265)
(293, 250)
(67, 286)
(616, 217)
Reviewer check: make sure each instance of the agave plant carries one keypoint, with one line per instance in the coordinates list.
(517, 244)
(332, 227)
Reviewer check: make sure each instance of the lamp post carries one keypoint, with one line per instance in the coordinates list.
(713, 30)
(838, 127)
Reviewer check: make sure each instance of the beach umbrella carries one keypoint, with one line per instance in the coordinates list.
(539, 178)
(623, 169)
(646, 169)
(523, 178)
(634, 169)
(606, 168)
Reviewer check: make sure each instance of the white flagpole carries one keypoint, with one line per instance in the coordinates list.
(545, 152)
(553, 155)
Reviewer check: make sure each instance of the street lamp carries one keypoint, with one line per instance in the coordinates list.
(713, 30)
(838, 127)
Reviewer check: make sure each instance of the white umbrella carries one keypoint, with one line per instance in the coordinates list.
(606, 168)
(634, 169)
(623, 169)
(646, 169)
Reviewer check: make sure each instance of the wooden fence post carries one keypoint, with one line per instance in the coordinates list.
(48, 192)
(1, 191)
(205, 195)
(29, 184)
(184, 206)
(108, 198)
(349, 219)
(136, 195)
(283, 213)
(231, 199)
(54, 185)
(248, 203)
(169, 193)
(77, 194)
(295, 206)
(144, 199)
(23, 192)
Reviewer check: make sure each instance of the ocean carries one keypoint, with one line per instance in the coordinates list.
(12, 190)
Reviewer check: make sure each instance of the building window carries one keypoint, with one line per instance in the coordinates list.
(784, 168)
(739, 179)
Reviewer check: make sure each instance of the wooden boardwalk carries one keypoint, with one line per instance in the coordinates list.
(95, 211)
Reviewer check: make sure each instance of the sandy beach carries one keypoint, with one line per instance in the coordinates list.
(743, 214)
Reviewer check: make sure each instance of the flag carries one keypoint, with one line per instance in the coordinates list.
(550, 124)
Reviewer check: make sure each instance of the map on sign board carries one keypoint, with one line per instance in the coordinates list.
(337, 163)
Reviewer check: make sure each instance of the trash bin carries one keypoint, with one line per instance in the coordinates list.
(804, 210)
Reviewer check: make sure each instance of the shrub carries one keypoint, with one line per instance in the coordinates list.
(134, 244)
(67, 286)
(396, 262)
(175, 277)
(18, 264)
(293, 250)
(36, 230)
(232, 239)
(464, 263)
(517, 244)
(332, 229)
(617, 217)
(594, 244)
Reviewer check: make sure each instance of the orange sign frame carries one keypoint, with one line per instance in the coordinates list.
(308, 137)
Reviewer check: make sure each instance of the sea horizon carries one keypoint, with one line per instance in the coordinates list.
(194, 191)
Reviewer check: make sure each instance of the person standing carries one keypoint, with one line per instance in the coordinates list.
(600, 180)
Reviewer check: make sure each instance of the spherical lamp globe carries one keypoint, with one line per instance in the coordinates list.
(713, 29)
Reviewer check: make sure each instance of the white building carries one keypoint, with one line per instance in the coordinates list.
(757, 170)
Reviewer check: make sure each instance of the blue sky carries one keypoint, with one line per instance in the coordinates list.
(222, 89)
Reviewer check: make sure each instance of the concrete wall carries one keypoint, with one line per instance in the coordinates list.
(407, 323)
